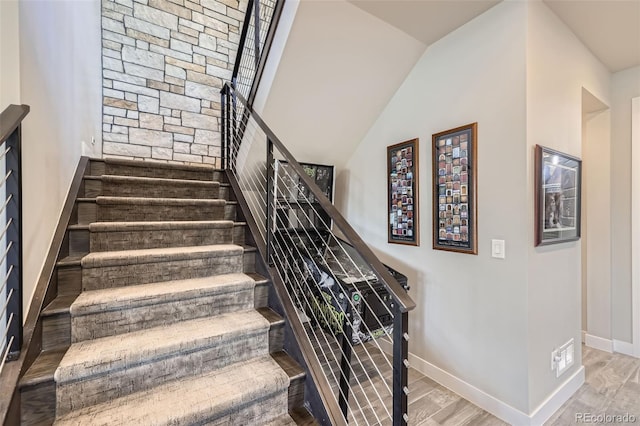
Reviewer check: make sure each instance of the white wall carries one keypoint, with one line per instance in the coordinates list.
(470, 318)
(9, 54)
(625, 85)
(61, 81)
(339, 68)
(596, 224)
(558, 68)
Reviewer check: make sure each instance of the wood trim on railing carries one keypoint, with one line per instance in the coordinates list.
(315, 369)
(32, 343)
(11, 118)
(396, 290)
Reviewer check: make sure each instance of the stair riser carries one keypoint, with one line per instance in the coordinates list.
(89, 212)
(125, 275)
(261, 295)
(134, 240)
(56, 331)
(103, 324)
(296, 393)
(69, 280)
(100, 168)
(229, 212)
(138, 213)
(239, 234)
(259, 412)
(249, 262)
(78, 241)
(276, 337)
(96, 188)
(114, 384)
(224, 193)
(38, 404)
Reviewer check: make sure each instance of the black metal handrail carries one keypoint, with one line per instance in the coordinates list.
(337, 346)
(11, 232)
(278, 253)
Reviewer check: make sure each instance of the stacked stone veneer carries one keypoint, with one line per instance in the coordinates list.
(164, 62)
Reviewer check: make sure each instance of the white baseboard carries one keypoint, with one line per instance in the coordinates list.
(495, 406)
(621, 347)
(598, 343)
(561, 395)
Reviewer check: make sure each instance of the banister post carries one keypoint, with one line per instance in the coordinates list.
(270, 201)
(256, 34)
(400, 366)
(13, 161)
(346, 348)
(223, 128)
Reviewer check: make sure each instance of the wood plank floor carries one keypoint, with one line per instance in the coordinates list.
(612, 387)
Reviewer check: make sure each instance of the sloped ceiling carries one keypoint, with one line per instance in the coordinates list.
(339, 69)
(610, 29)
(427, 21)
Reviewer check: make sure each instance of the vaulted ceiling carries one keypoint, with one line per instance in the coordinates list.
(609, 28)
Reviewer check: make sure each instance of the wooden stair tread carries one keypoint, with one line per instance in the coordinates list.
(302, 417)
(289, 365)
(43, 367)
(78, 227)
(270, 315)
(259, 279)
(59, 305)
(72, 260)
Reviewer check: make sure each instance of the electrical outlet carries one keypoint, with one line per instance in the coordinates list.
(562, 358)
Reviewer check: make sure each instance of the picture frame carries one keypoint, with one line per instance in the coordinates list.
(558, 180)
(454, 183)
(402, 193)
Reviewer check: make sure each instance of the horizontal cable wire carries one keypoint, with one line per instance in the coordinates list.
(312, 329)
(5, 355)
(253, 201)
(353, 307)
(4, 231)
(6, 279)
(6, 203)
(6, 304)
(339, 263)
(6, 252)
(360, 362)
(256, 180)
(336, 338)
(6, 151)
(3, 181)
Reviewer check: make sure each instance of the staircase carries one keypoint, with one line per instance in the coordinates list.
(159, 316)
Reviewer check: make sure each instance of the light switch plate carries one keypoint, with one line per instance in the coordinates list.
(497, 249)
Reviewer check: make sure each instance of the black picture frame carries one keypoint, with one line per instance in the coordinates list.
(403, 218)
(454, 183)
(558, 178)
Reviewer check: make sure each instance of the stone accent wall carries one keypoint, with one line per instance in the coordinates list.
(163, 64)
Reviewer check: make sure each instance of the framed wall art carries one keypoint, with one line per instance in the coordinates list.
(558, 186)
(402, 187)
(454, 189)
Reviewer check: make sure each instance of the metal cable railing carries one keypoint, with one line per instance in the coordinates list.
(352, 311)
(11, 233)
(347, 311)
